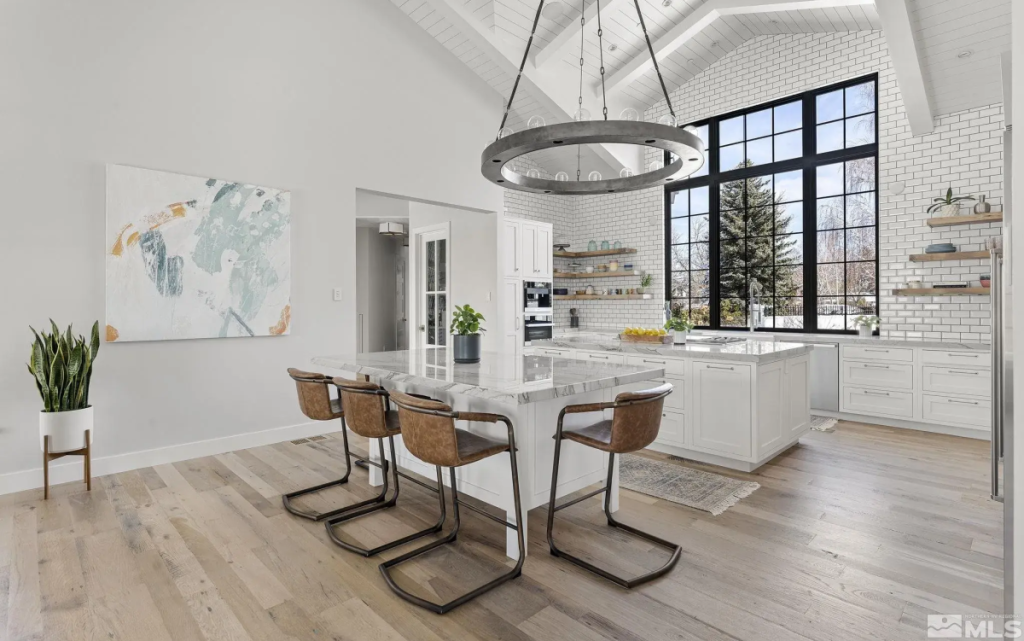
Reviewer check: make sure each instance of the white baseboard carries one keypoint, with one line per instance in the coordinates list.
(71, 469)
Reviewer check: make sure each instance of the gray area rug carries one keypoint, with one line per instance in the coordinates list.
(823, 423)
(698, 489)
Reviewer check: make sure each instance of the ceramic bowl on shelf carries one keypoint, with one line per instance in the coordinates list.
(986, 280)
(590, 269)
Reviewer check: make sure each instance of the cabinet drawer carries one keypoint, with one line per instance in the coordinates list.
(618, 359)
(882, 375)
(974, 358)
(964, 412)
(673, 428)
(677, 399)
(551, 351)
(877, 402)
(955, 380)
(670, 365)
(880, 353)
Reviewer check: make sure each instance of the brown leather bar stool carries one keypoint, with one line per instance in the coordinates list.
(429, 433)
(633, 426)
(316, 403)
(368, 414)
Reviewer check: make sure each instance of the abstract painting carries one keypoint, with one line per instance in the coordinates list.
(190, 257)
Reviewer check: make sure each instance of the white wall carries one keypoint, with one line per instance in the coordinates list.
(317, 96)
(473, 263)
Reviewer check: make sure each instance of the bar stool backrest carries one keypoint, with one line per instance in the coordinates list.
(428, 430)
(314, 395)
(365, 406)
(637, 418)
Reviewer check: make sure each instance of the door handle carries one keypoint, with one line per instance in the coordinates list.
(423, 328)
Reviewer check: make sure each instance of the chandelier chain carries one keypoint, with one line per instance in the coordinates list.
(522, 65)
(579, 154)
(600, 47)
(654, 58)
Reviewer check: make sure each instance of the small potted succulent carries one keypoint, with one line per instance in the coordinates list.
(866, 325)
(645, 282)
(61, 365)
(679, 325)
(948, 205)
(466, 328)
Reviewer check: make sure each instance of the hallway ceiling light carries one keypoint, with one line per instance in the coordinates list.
(684, 145)
(392, 229)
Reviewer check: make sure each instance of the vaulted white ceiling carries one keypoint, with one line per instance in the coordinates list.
(928, 40)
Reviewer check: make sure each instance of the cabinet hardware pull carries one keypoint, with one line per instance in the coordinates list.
(595, 356)
(869, 349)
(870, 393)
(962, 355)
(719, 367)
(658, 362)
(960, 371)
(953, 400)
(876, 366)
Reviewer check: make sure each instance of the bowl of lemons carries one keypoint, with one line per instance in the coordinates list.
(644, 335)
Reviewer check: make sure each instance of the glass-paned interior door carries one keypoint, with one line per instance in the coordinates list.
(434, 283)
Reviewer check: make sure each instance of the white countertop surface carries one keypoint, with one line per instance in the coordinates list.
(504, 378)
(850, 338)
(751, 351)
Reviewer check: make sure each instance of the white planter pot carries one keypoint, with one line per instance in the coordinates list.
(679, 338)
(865, 332)
(950, 210)
(66, 429)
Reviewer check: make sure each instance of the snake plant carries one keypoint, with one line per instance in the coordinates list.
(61, 364)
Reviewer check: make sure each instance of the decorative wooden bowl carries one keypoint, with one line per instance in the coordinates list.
(628, 338)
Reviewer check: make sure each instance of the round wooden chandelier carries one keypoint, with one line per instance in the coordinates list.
(684, 145)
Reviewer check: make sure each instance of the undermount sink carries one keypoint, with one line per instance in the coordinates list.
(715, 340)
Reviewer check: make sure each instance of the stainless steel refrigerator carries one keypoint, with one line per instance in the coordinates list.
(1001, 249)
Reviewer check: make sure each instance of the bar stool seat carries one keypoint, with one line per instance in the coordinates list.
(473, 447)
(634, 426)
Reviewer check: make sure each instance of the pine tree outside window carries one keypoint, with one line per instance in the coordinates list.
(787, 203)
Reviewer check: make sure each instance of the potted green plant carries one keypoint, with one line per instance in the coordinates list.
(866, 325)
(61, 365)
(949, 204)
(466, 328)
(679, 325)
(645, 282)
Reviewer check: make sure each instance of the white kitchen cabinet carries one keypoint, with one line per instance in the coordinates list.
(677, 399)
(798, 396)
(871, 353)
(772, 406)
(557, 353)
(673, 427)
(966, 412)
(876, 402)
(973, 358)
(511, 306)
(543, 252)
(618, 359)
(956, 381)
(512, 248)
(722, 407)
(529, 249)
(884, 375)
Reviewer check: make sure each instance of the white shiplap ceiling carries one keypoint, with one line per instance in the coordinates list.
(941, 28)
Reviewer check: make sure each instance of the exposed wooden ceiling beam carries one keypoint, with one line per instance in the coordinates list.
(899, 34)
(701, 18)
(570, 36)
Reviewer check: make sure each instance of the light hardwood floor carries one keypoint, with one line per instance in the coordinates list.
(857, 534)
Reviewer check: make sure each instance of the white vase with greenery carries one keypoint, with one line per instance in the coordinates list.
(866, 325)
(61, 365)
(680, 326)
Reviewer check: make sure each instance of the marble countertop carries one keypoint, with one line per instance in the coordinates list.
(788, 337)
(748, 351)
(504, 378)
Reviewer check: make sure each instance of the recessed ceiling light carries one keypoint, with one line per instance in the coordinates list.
(612, 47)
(966, 53)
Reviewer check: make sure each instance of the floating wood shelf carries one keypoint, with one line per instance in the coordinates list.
(949, 221)
(595, 274)
(927, 258)
(599, 252)
(943, 291)
(605, 297)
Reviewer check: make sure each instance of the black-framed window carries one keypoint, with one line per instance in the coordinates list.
(786, 204)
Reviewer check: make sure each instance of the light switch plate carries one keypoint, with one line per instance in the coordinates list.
(338, 292)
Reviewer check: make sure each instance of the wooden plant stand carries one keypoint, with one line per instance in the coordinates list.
(83, 452)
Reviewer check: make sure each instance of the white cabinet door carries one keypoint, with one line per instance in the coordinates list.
(511, 306)
(798, 394)
(512, 248)
(673, 428)
(772, 407)
(617, 359)
(529, 269)
(542, 252)
(721, 408)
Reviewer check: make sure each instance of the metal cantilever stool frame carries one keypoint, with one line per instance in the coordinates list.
(316, 403)
(430, 435)
(615, 436)
(375, 419)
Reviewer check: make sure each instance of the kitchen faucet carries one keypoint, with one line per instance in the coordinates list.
(753, 306)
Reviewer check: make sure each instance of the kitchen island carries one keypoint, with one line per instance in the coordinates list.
(736, 404)
(531, 391)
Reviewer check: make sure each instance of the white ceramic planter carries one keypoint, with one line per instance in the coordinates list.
(679, 338)
(66, 429)
(865, 332)
(950, 210)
